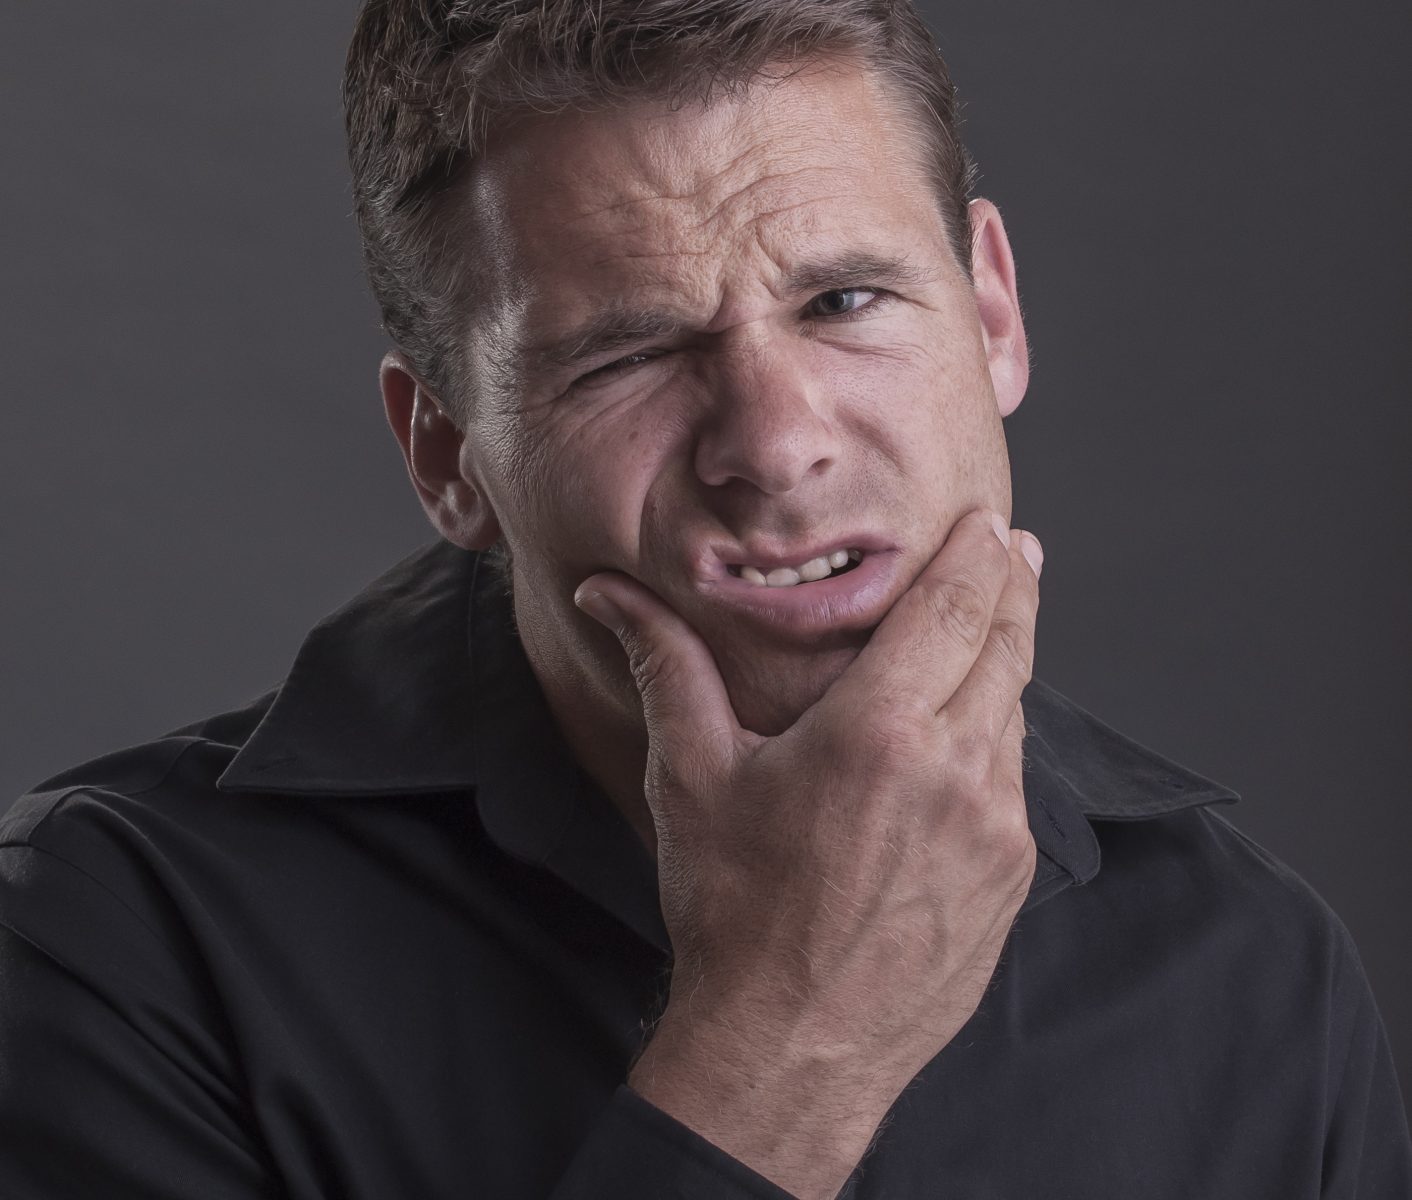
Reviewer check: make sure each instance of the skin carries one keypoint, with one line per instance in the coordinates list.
(768, 418)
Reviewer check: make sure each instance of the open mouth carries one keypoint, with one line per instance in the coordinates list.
(838, 562)
(804, 600)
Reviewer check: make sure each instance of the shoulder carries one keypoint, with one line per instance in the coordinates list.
(1169, 862)
(186, 760)
(1192, 881)
(1198, 854)
(101, 836)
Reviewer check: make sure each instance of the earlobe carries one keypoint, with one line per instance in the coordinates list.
(432, 445)
(998, 303)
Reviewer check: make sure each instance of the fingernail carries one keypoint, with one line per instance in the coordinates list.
(1002, 530)
(600, 608)
(1033, 551)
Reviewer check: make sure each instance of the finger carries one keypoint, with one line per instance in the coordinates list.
(927, 643)
(983, 703)
(684, 699)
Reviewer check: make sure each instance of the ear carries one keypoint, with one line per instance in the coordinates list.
(434, 446)
(993, 268)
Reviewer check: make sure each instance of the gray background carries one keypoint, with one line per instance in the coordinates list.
(1208, 204)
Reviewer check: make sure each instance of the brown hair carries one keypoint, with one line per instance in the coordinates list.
(427, 79)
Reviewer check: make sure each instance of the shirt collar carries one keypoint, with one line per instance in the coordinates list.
(379, 699)
(419, 684)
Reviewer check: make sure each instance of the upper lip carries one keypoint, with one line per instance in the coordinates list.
(767, 555)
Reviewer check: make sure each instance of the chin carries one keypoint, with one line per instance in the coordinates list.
(770, 692)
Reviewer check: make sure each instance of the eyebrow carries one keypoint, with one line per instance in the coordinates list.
(618, 325)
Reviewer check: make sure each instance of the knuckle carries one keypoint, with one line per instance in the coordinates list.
(960, 607)
(1020, 875)
(969, 762)
(1010, 830)
(690, 763)
(1004, 840)
(652, 668)
(709, 757)
(1015, 645)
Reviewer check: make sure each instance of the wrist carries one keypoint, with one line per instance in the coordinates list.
(799, 1124)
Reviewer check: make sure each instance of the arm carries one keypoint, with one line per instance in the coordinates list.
(1367, 1152)
(111, 1082)
(115, 1080)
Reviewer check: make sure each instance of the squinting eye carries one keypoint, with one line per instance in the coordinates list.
(836, 304)
(839, 303)
(621, 364)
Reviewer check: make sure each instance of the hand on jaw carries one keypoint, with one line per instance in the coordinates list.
(837, 896)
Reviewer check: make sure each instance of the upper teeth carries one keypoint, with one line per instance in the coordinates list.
(815, 568)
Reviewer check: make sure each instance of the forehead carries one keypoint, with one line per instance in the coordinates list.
(700, 208)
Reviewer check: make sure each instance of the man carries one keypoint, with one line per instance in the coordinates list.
(685, 821)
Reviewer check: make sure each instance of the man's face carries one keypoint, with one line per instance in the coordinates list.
(733, 338)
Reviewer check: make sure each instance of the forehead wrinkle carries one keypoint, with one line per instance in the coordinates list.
(586, 214)
(663, 194)
(725, 245)
(749, 188)
(656, 172)
(632, 256)
(698, 192)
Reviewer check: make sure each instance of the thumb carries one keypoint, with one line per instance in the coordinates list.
(683, 696)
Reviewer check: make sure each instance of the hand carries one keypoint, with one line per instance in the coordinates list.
(838, 896)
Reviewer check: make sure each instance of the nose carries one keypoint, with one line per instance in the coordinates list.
(765, 424)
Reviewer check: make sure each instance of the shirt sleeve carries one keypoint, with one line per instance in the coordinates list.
(113, 1081)
(1368, 1150)
(637, 1151)
(118, 1077)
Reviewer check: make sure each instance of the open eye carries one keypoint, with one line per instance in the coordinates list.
(843, 302)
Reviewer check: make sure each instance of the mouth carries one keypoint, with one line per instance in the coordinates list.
(820, 567)
(845, 586)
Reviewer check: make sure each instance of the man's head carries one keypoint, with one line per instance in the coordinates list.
(430, 82)
(737, 318)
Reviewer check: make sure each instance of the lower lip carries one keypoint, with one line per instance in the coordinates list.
(857, 599)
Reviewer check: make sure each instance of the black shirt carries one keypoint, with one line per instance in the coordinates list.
(375, 936)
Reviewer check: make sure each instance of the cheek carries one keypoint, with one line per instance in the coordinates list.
(902, 398)
(922, 411)
(575, 477)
